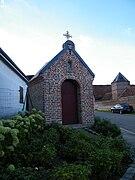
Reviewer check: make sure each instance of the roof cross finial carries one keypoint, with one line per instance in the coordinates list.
(67, 35)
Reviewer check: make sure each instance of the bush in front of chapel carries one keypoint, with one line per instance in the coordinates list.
(30, 149)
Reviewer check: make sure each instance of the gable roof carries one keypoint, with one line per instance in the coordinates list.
(8, 61)
(67, 45)
(120, 78)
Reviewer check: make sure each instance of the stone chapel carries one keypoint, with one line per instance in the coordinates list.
(63, 89)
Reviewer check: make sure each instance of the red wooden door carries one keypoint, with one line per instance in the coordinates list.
(69, 103)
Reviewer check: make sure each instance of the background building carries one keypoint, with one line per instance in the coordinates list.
(120, 91)
(13, 87)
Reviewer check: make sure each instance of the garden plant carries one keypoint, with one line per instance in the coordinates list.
(30, 149)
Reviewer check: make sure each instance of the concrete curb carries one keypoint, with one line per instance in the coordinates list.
(130, 173)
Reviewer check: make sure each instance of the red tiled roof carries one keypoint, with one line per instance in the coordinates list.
(104, 92)
(101, 90)
(129, 92)
(107, 96)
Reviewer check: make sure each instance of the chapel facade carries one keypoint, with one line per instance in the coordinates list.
(63, 89)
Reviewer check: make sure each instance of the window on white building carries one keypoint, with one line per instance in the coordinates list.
(21, 94)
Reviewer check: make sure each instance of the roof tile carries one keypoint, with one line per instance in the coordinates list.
(120, 78)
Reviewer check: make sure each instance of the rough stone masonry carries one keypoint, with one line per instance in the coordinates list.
(45, 88)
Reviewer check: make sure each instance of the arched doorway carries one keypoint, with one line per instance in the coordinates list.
(69, 102)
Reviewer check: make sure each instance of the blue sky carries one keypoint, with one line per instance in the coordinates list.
(31, 33)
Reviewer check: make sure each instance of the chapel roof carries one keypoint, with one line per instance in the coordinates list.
(68, 45)
(8, 61)
(120, 78)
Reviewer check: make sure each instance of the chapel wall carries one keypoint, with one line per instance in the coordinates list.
(36, 94)
(53, 79)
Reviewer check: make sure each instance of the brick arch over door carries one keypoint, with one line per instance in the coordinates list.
(70, 101)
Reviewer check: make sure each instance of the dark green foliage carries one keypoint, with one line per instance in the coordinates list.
(51, 136)
(48, 153)
(24, 173)
(71, 171)
(32, 150)
(15, 135)
(106, 163)
(65, 134)
(36, 154)
(77, 147)
(106, 128)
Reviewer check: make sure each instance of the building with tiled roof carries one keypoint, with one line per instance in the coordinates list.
(120, 78)
(63, 89)
(120, 91)
(119, 85)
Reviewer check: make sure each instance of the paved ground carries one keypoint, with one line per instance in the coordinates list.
(130, 138)
(125, 121)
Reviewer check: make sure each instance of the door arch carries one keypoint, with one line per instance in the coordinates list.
(69, 102)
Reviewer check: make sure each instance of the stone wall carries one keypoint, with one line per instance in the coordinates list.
(35, 94)
(118, 88)
(45, 91)
(106, 105)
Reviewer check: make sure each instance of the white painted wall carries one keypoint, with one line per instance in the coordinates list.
(10, 84)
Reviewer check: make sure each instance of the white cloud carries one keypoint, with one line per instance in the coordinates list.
(128, 31)
(30, 48)
(30, 53)
(2, 3)
(106, 59)
(19, 13)
(86, 41)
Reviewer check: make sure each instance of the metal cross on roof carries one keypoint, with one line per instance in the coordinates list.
(67, 35)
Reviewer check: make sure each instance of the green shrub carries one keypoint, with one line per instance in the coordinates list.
(37, 153)
(71, 172)
(8, 142)
(119, 145)
(23, 173)
(11, 167)
(30, 149)
(28, 124)
(106, 128)
(16, 132)
(48, 154)
(76, 150)
(65, 134)
(105, 155)
(51, 136)
(77, 147)
(105, 163)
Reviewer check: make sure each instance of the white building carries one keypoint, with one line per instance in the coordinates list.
(13, 87)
